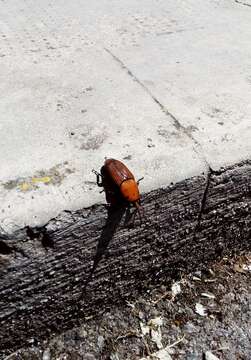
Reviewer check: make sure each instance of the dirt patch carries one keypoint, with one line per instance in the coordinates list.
(167, 320)
(52, 176)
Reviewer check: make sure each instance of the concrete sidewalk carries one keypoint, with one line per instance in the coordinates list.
(164, 86)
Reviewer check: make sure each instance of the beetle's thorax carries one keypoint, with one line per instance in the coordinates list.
(129, 190)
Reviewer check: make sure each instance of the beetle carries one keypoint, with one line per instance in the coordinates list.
(119, 184)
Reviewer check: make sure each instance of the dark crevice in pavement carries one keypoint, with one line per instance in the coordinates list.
(203, 201)
(242, 3)
(40, 234)
(197, 147)
(4, 248)
(9, 250)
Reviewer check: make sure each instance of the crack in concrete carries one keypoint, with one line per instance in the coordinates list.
(203, 201)
(176, 122)
(242, 3)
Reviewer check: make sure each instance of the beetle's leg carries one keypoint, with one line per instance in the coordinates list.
(99, 178)
(140, 211)
(138, 181)
(134, 216)
(131, 216)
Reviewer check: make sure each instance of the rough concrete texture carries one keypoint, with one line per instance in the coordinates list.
(164, 85)
(203, 316)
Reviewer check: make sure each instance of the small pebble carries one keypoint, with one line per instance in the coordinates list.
(46, 354)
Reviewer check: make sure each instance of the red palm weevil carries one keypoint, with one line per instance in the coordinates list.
(119, 183)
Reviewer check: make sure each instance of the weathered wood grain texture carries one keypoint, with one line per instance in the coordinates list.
(84, 261)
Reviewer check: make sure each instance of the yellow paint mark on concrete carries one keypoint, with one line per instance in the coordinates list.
(25, 186)
(45, 179)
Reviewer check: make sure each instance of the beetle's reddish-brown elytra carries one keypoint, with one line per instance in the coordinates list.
(119, 182)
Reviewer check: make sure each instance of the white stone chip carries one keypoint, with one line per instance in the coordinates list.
(162, 354)
(208, 295)
(200, 309)
(176, 289)
(210, 356)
